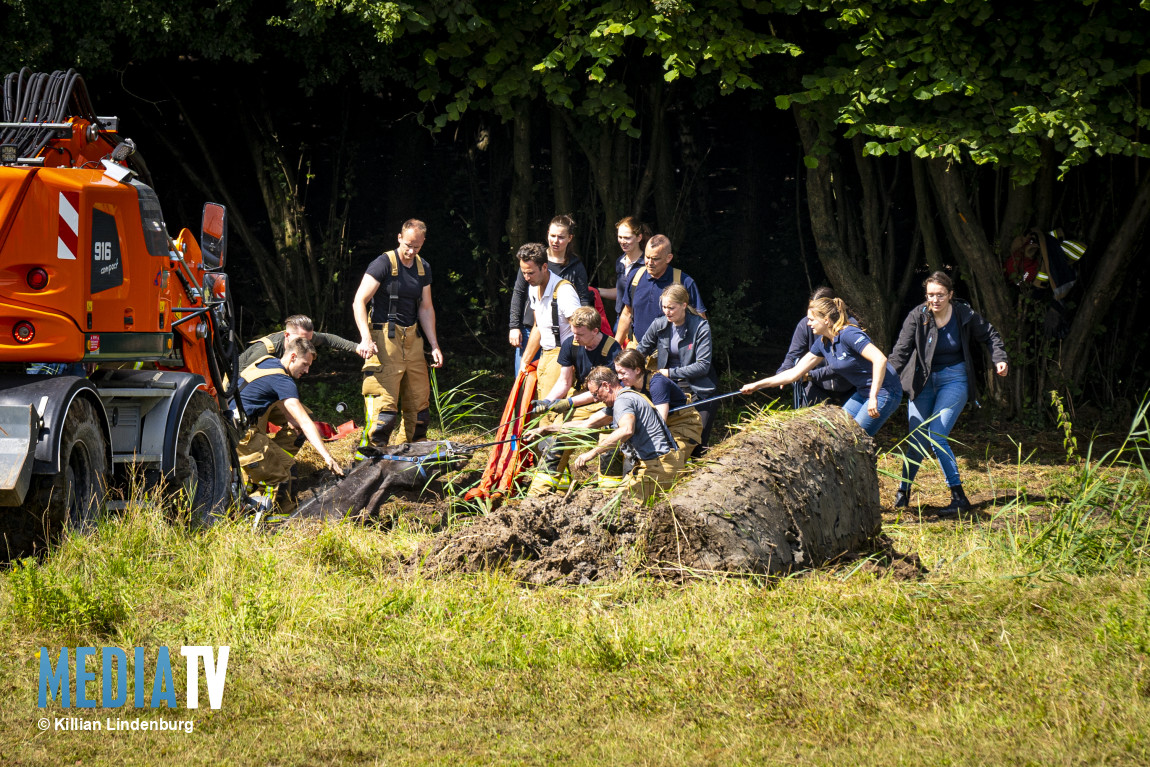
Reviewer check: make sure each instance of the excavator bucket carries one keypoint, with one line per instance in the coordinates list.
(18, 430)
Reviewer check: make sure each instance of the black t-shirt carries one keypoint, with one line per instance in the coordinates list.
(662, 389)
(410, 289)
(585, 359)
(260, 394)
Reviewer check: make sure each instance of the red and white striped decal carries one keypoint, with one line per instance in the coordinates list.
(69, 228)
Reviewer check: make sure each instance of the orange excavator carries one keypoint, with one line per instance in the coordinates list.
(117, 341)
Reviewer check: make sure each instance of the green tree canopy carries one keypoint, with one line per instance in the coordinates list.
(988, 81)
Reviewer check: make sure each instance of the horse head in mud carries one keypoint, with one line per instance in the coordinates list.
(410, 466)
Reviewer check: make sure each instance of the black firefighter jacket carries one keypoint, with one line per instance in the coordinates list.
(914, 351)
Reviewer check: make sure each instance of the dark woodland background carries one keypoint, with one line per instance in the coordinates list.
(780, 145)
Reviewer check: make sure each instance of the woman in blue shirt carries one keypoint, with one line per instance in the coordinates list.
(933, 357)
(849, 352)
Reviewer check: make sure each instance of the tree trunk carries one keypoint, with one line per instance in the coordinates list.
(924, 213)
(561, 164)
(1017, 216)
(668, 192)
(262, 258)
(521, 191)
(656, 145)
(787, 491)
(1111, 272)
(862, 276)
(283, 185)
(605, 147)
(980, 266)
(1044, 189)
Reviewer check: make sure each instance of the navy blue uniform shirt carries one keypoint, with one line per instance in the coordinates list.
(262, 393)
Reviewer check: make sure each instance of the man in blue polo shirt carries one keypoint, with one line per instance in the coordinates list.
(641, 304)
(265, 386)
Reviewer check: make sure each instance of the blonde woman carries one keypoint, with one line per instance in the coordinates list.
(681, 341)
(849, 352)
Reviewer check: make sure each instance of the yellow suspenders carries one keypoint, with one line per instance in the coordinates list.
(393, 289)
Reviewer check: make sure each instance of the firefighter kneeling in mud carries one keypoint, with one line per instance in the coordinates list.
(267, 389)
(637, 430)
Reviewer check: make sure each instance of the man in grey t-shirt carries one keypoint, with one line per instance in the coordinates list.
(638, 429)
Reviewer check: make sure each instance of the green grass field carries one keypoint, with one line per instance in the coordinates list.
(1026, 641)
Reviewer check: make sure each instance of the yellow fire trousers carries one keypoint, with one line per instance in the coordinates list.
(397, 375)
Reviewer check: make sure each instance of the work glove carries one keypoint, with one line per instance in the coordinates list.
(554, 405)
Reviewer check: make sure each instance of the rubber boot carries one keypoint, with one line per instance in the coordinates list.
(379, 435)
(611, 473)
(381, 430)
(422, 421)
(902, 497)
(958, 502)
(549, 472)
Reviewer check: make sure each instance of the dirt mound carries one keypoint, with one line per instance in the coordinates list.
(544, 540)
(790, 490)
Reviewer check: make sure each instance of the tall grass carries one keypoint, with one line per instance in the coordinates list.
(1101, 522)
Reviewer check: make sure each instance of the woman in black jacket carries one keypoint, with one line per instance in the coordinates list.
(933, 357)
(681, 338)
(561, 260)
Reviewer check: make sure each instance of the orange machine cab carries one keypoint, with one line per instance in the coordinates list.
(87, 276)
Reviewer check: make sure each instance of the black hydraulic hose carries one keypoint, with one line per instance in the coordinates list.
(229, 424)
(214, 368)
(40, 97)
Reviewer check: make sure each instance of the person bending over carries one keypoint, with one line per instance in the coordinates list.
(849, 352)
(266, 386)
(296, 325)
(636, 428)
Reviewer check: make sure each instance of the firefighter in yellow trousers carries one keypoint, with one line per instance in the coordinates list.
(266, 386)
(397, 288)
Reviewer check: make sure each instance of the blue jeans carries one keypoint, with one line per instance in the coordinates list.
(888, 402)
(525, 333)
(932, 415)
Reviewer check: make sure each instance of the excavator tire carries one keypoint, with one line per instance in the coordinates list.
(71, 499)
(76, 492)
(203, 460)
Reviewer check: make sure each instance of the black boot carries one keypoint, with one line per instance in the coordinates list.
(385, 423)
(902, 498)
(422, 421)
(958, 502)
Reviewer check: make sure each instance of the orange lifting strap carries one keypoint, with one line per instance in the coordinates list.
(508, 460)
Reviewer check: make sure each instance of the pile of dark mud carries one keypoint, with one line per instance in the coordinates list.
(790, 491)
(554, 539)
